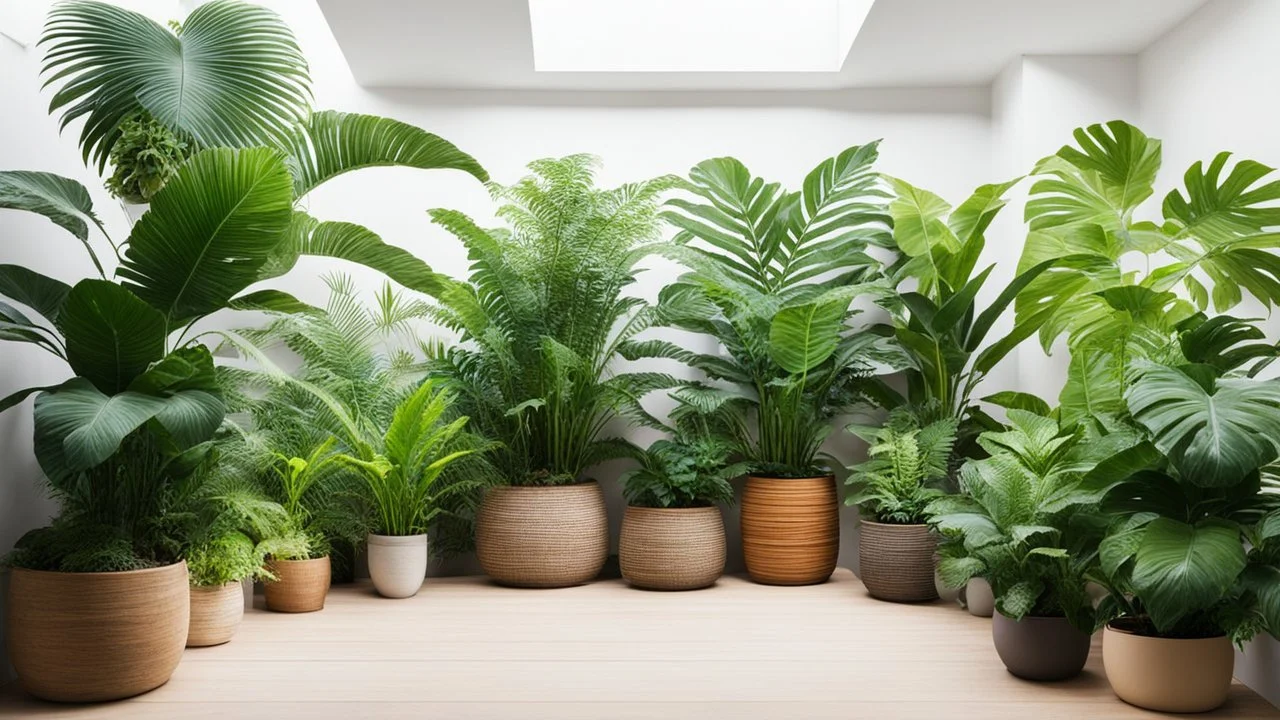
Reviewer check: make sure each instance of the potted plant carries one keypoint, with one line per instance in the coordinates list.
(672, 533)
(145, 157)
(791, 360)
(907, 462)
(403, 473)
(541, 319)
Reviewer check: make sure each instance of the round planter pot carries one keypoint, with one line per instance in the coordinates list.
(978, 598)
(301, 585)
(543, 537)
(947, 594)
(1165, 674)
(897, 561)
(672, 548)
(1040, 648)
(89, 637)
(790, 529)
(216, 612)
(397, 564)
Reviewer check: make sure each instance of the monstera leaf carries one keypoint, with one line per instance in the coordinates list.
(233, 76)
(1214, 431)
(1181, 568)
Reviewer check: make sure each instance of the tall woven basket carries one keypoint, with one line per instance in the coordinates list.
(897, 561)
(672, 548)
(790, 529)
(543, 537)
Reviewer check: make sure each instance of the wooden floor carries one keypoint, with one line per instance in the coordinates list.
(466, 649)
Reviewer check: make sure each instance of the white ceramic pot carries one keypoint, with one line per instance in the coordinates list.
(397, 564)
(134, 211)
(947, 594)
(978, 597)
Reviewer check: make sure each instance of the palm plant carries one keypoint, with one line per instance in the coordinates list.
(543, 315)
(906, 467)
(773, 279)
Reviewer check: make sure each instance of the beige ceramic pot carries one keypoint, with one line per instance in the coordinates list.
(89, 637)
(672, 548)
(790, 529)
(1165, 674)
(978, 597)
(543, 537)
(397, 564)
(216, 612)
(896, 561)
(301, 585)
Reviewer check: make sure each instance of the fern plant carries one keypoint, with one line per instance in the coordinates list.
(907, 464)
(690, 469)
(542, 316)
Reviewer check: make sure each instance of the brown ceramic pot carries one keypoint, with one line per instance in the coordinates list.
(543, 537)
(1167, 674)
(1040, 648)
(896, 561)
(790, 529)
(300, 585)
(216, 612)
(672, 548)
(89, 637)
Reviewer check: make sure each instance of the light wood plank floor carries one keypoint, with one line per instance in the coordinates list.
(466, 649)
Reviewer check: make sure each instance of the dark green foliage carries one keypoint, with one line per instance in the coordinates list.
(144, 158)
(692, 469)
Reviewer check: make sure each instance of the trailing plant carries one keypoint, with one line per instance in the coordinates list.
(774, 276)
(542, 316)
(145, 157)
(907, 465)
(692, 468)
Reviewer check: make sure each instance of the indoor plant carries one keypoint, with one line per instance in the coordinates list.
(672, 533)
(541, 319)
(907, 463)
(792, 361)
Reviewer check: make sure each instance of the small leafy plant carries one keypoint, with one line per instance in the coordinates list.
(907, 465)
(144, 158)
(692, 469)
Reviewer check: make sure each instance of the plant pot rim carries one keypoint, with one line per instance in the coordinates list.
(308, 560)
(211, 588)
(380, 539)
(110, 573)
(698, 508)
(557, 486)
(1111, 627)
(825, 476)
(893, 525)
(1034, 618)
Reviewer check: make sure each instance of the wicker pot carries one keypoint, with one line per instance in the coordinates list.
(1166, 674)
(672, 548)
(543, 537)
(397, 564)
(89, 637)
(897, 561)
(790, 529)
(1040, 648)
(301, 585)
(216, 612)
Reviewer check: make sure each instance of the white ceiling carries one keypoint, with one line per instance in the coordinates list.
(486, 44)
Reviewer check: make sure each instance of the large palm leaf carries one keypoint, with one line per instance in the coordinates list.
(233, 76)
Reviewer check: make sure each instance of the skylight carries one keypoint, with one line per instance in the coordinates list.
(694, 35)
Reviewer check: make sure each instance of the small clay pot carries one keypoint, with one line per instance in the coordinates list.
(1040, 648)
(397, 564)
(1167, 674)
(300, 587)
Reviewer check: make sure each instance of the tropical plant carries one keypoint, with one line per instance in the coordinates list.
(145, 157)
(905, 470)
(692, 468)
(403, 470)
(773, 279)
(543, 315)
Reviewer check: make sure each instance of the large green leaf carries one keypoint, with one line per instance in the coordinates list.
(233, 76)
(330, 143)
(802, 337)
(111, 335)
(1094, 387)
(920, 220)
(39, 292)
(1217, 210)
(1213, 434)
(77, 426)
(61, 199)
(209, 232)
(1180, 568)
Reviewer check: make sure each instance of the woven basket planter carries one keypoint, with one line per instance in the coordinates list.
(790, 529)
(216, 612)
(672, 548)
(300, 587)
(90, 637)
(543, 537)
(897, 561)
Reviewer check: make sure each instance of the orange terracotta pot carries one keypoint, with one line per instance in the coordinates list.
(790, 529)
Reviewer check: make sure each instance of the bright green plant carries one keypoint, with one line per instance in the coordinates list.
(403, 470)
(773, 279)
(907, 466)
(543, 315)
(690, 469)
(145, 157)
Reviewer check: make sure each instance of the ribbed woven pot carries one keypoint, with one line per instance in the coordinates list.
(897, 561)
(672, 548)
(300, 587)
(790, 529)
(216, 612)
(89, 637)
(1167, 674)
(543, 537)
